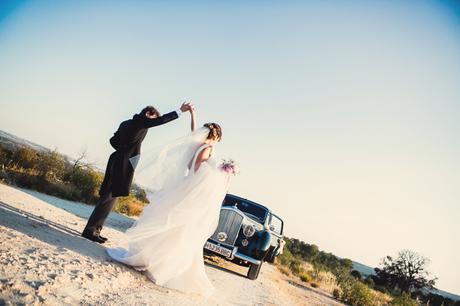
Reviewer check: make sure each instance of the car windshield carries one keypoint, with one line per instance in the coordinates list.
(253, 211)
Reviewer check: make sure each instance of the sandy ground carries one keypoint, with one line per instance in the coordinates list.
(44, 261)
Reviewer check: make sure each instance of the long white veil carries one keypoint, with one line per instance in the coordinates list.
(166, 168)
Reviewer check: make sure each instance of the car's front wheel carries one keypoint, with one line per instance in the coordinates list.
(253, 271)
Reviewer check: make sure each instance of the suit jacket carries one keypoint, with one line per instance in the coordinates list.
(127, 142)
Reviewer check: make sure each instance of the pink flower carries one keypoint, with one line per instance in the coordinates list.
(229, 166)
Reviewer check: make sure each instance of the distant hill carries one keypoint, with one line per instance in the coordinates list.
(366, 271)
(363, 269)
(11, 141)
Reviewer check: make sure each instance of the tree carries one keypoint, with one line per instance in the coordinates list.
(356, 274)
(406, 273)
(51, 165)
(25, 157)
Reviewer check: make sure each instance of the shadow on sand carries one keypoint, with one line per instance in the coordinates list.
(49, 232)
(115, 220)
(210, 262)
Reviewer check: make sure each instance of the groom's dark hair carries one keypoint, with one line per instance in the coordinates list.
(151, 110)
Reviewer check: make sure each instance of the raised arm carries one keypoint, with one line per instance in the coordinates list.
(151, 122)
(193, 117)
(148, 122)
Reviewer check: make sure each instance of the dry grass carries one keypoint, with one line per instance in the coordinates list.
(381, 298)
(129, 206)
(284, 270)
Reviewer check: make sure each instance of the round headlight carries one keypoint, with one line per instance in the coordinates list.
(249, 230)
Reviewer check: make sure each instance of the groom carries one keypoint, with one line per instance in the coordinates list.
(119, 173)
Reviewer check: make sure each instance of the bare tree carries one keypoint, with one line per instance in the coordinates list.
(406, 272)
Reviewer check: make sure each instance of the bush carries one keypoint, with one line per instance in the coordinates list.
(88, 182)
(403, 300)
(51, 165)
(304, 277)
(336, 293)
(51, 173)
(284, 270)
(139, 193)
(25, 158)
(369, 281)
(129, 206)
(356, 293)
(292, 263)
(314, 285)
(356, 274)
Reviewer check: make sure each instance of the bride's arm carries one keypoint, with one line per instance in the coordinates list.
(193, 115)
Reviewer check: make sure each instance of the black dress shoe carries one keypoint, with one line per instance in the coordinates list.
(103, 238)
(92, 237)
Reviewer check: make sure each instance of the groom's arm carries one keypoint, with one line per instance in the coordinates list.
(151, 122)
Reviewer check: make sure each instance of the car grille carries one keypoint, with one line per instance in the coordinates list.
(230, 224)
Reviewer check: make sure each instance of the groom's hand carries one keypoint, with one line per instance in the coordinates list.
(186, 107)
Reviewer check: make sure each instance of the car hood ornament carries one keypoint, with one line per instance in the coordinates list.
(222, 236)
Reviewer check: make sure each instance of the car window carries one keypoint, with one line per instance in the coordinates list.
(276, 225)
(255, 212)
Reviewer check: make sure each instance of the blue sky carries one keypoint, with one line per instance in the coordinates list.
(342, 115)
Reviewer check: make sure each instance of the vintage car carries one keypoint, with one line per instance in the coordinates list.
(248, 234)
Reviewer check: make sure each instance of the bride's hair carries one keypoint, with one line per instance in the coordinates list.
(215, 131)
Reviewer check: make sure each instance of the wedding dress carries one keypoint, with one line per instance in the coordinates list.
(167, 240)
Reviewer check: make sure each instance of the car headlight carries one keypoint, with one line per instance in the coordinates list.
(249, 230)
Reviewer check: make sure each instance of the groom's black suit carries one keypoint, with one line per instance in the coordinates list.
(119, 173)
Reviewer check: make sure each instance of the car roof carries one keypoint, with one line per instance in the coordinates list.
(252, 202)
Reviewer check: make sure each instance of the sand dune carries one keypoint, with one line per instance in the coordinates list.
(43, 260)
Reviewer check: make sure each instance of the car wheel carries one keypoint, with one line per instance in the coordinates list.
(253, 271)
(271, 259)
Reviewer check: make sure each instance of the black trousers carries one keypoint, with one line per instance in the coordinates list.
(100, 213)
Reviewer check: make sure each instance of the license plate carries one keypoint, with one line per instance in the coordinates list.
(217, 249)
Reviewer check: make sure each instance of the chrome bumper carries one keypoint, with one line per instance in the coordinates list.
(247, 258)
(236, 254)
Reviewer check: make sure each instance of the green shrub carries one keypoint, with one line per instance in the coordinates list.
(139, 193)
(356, 293)
(296, 266)
(58, 189)
(88, 182)
(369, 281)
(51, 173)
(25, 158)
(403, 300)
(51, 165)
(292, 263)
(304, 277)
(336, 293)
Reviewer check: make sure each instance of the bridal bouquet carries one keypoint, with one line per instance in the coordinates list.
(229, 166)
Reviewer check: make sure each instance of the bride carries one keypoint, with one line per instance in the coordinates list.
(167, 240)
